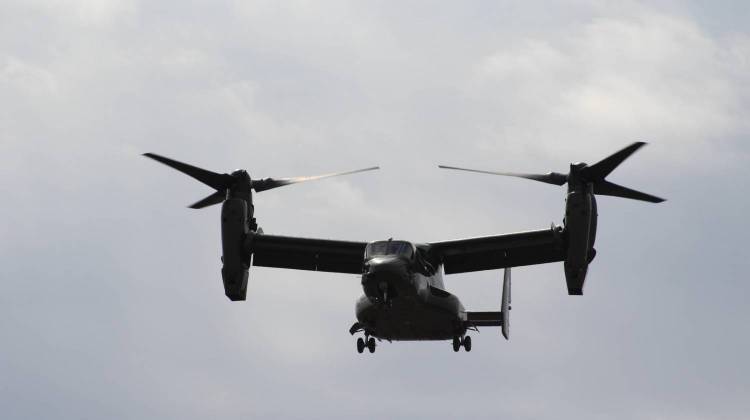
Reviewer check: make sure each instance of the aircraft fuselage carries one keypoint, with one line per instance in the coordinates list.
(403, 301)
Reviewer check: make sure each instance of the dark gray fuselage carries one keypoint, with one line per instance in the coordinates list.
(405, 301)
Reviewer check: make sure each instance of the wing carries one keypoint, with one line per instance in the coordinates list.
(493, 252)
(307, 254)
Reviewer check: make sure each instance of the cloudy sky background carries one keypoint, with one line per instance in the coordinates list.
(112, 304)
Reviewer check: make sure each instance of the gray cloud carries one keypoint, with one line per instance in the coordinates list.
(112, 302)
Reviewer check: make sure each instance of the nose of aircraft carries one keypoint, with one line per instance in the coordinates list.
(385, 264)
(384, 276)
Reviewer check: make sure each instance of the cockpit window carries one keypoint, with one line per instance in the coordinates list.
(379, 248)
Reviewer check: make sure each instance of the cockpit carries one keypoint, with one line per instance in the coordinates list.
(381, 248)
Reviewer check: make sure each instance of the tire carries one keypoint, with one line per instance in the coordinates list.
(456, 344)
(467, 343)
(371, 345)
(360, 345)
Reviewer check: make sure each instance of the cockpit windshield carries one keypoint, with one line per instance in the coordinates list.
(401, 248)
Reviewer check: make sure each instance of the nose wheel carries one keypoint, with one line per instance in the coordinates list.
(464, 342)
(367, 343)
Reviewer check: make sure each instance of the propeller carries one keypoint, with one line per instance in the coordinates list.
(581, 172)
(223, 182)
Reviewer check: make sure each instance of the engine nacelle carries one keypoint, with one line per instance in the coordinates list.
(580, 228)
(236, 260)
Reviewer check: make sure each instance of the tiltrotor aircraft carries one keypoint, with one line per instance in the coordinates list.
(404, 295)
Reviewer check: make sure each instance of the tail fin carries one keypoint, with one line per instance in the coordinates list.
(495, 319)
(505, 305)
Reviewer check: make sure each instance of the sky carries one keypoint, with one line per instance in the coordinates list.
(112, 304)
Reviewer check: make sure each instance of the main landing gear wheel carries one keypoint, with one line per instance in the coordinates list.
(371, 345)
(467, 343)
(459, 342)
(360, 345)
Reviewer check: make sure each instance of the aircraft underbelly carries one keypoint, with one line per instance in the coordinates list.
(413, 318)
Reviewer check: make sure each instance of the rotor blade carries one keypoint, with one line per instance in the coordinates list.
(604, 167)
(212, 199)
(270, 183)
(609, 188)
(212, 179)
(550, 178)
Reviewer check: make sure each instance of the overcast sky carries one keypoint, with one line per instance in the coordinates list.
(112, 304)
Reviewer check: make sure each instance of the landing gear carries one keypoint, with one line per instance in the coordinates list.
(366, 343)
(459, 341)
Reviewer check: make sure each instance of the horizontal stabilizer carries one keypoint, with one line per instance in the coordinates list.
(484, 319)
(495, 319)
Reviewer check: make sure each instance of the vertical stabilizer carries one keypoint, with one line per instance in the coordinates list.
(505, 305)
